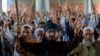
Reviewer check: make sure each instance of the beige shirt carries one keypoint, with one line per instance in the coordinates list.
(82, 50)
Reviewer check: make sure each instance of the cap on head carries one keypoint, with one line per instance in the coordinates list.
(37, 30)
(51, 26)
(86, 28)
(27, 26)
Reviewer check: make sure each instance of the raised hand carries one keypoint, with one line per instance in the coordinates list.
(77, 24)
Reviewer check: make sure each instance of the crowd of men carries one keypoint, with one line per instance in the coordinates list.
(61, 32)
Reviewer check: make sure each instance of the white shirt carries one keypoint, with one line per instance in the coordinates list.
(8, 35)
(92, 22)
(62, 21)
(15, 52)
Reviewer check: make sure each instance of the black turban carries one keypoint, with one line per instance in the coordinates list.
(51, 25)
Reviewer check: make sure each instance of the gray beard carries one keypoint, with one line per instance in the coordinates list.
(88, 43)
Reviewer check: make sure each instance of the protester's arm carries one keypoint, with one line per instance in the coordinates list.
(32, 45)
(7, 33)
(70, 45)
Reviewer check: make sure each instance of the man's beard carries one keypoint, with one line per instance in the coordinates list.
(88, 42)
(53, 38)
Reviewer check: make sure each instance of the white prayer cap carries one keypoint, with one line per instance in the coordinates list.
(37, 30)
(90, 28)
(27, 25)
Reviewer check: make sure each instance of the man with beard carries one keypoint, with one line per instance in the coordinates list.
(49, 45)
(88, 46)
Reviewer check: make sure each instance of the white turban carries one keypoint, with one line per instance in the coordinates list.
(37, 30)
(88, 28)
(27, 26)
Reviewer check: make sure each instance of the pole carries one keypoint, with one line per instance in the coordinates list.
(32, 8)
(17, 12)
(94, 10)
(16, 5)
(59, 2)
